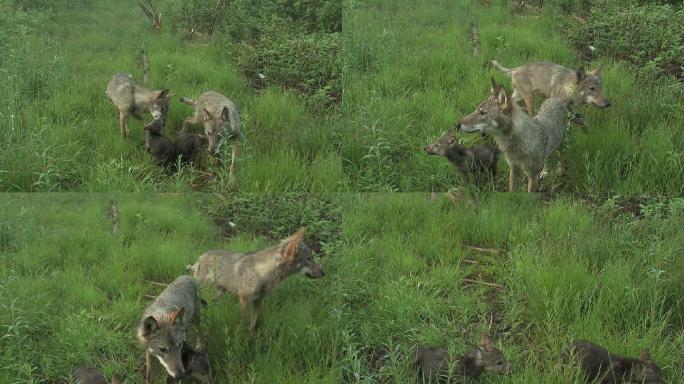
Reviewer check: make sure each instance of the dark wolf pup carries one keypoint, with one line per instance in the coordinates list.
(88, 375)
(553, 80)
(158, 145)
(434, 362)
(133, 99)
(480, 161)
(164, 323)
(600, 366)
(251, 276)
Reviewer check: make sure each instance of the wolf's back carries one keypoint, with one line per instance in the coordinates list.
(181, 293)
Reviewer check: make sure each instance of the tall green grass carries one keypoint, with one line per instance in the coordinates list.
(60, 131)
(569, 271)
(409, 74)
(71, 292)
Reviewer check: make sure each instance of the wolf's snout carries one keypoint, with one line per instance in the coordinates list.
(315, 272)
(179, 375)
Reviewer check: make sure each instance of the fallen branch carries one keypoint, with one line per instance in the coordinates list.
(468, 261)
(145, 66)
(148, 296)
(479, 249)
(493, 285)
(475, 38)
(156, 283)
(114, 215)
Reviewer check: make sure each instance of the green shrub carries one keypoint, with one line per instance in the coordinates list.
(649, 36)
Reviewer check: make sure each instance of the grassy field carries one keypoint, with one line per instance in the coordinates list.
(409, 74)
(569, 270)
(71, 292)
(60, 131)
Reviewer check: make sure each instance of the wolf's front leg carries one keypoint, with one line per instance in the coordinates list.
(148, 367)
(532, 183)
(513, 178)
(256, 307)
(123, 125)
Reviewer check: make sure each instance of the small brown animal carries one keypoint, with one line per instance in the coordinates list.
(600, 366)
(433, 363)
(88, 375)
(158, 145)
(252, 275)
(480, 161)
(188, 144)
(196, 364)
(548, 79)
(133, 99)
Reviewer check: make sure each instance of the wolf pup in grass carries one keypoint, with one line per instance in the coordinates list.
(133, 99)
(88, 375)
(158, 145)
(434, 363)
(188, 145)
(600, 366)
(550, 79)
(525, 141)
(196, 364)
(164, 323)
(480, 161)
(220, 118)
(251, 276)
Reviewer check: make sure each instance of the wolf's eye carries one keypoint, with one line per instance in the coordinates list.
(592, 89)
(500, 362)
(482, 112)
(451, 141)
(163, 350)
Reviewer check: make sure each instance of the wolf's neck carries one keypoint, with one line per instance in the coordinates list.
(512, 127)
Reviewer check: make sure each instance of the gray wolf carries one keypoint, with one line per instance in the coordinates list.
(480, 161)
(133, 99)
(553, 80)
(251, 276)
(164, 323)
(435, 365)
(599, 365)
(158, 145)
(526, 142)
(220, 118)
(188, 145)
(88, 375)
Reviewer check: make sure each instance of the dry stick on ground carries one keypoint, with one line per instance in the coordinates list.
(494, 285)
(479, 249)
(114, 215)
(145, 66)
(151, 13)
(156, 283)
(468, 261)
(475, 38)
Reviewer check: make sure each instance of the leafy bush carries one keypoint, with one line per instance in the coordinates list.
(648, 36)
(294, 43)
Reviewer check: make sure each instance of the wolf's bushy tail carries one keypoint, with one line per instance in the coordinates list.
(499, 67)
(188, 101)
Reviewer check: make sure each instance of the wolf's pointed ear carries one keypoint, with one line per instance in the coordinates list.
(495, 87)
(485, 341)
(225, 113)
(207, 114)
(177, 315)
(293, 244)
(597, 71)
(504, 99)
(581, 74)
(645, 355)
(162, 94)
(149, 325)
